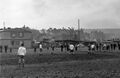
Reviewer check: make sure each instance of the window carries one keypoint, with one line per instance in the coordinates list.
(20, 34)
(17, 42)
(13, 35)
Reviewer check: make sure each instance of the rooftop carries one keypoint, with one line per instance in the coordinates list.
(15, 29)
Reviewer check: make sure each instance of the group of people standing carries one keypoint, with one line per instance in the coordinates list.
(68, 47)
(22, 52)
(5, 48)
(113, 46)
(40, 48)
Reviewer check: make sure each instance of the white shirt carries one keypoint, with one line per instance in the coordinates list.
(22, 51)
(92, 46)
(71, 47)
(40, 46)
(104, 45)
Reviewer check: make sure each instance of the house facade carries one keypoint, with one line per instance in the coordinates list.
(13, 37)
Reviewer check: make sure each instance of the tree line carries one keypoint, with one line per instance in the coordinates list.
(67, 34)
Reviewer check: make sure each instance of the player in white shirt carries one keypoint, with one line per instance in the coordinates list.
(71, 47)
(93, 47)
(40, 46)
(21, 54)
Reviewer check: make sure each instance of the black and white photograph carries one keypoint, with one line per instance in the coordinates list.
(59, 38)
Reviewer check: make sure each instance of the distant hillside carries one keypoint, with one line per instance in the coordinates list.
(110, 32)
(115, 31)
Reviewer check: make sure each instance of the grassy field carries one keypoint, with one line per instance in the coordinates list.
(61, 65)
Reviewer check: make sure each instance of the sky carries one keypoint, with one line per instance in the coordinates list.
(41, 14)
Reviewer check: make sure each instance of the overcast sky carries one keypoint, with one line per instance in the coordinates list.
(60, 13)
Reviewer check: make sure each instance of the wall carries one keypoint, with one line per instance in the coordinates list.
(6, 38)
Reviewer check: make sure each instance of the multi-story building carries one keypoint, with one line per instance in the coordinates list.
(13, 37)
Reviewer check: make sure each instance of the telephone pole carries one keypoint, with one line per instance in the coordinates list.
(78, 30)
(4, 24)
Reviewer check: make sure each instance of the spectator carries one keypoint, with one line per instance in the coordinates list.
(118, 46)
(6, 47)
(89, 48)
(93, 47)
(53, 47)
(40, 47)
(67, 47)
(61, 47)
(71, 47)
(35, 49)
(76, 47)
(47, 47)
(114, 46)
(10, 47)
(104, 46)
(1, 48)
(97, 47)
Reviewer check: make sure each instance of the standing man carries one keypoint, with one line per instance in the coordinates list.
(35, 49)
(71, 47)
(61, 47)
(76, 47)
(21, 55)
(93, 47)
(6, 48)
(40, 46)
(1, 48)
(10, 47)
(118, 46)
(53, 47)
(67, 46)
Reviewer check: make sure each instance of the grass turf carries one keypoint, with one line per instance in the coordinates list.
(81, 65)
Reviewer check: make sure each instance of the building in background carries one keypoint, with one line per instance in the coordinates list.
(12, 37)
